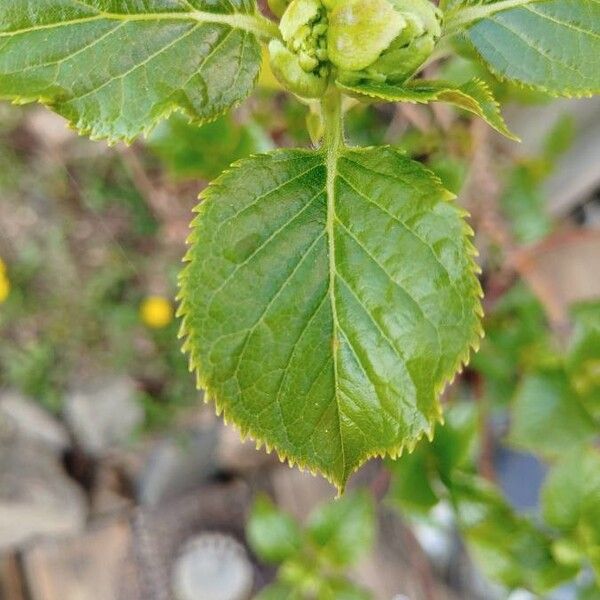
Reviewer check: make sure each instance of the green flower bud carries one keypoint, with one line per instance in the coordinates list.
(301, 63)
(381, 40)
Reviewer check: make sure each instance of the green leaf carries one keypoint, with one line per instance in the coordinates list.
(548, 417)
(272, 534)
(508, 548)
(342, 530)
(571, 500)
(417, 477)
(583, 359)
(411, 486)
(277, 591)
(473, 96)
(114, 68)
(549, 45)
(191, 151)
(327, 302)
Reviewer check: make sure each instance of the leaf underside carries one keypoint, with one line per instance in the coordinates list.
(550, 45)
(473, 96)
(328, 337)
(113, 68)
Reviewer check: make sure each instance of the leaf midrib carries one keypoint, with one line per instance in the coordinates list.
(334, 144)
(251, 23)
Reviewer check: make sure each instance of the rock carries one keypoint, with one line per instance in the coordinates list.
(178, 465)
(99, 564)
(28, 419)
(213, 566)
(104, 415)
(36, 496)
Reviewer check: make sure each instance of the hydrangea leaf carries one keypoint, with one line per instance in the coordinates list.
(113, 68)
(473, 96)
(548, 416)
(549, 45)
(570, 501)
(328, 301)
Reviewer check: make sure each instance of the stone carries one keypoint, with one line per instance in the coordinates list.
(104, 415)
(178, 465)
(28, 419)
(213, 566)
(36, 496)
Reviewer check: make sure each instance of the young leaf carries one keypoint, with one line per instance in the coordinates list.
(507, 547)
(473, 96)
(548, 416)
(113, 69)
(272, 534)
(328, 300)
(343, 529)
(550, 45)
(571, 500)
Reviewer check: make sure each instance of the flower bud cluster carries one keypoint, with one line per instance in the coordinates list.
(301, 62)
(355, 40)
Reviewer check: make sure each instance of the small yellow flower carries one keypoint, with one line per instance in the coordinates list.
(4, 282)
(156, 312)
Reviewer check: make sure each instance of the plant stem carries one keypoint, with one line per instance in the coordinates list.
(333, 119)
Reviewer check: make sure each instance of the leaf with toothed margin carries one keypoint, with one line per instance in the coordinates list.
(549, 45)
(474, 96)
(113, 68)
(326, 303)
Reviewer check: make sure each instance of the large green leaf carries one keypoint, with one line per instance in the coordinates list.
(473, 96)
(327, 302)
(113, 68)
(550, 45)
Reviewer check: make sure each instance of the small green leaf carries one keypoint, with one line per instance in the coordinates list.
(508, 548)
(411, 486)
(114, 69)
(327, 302)
(272, 534)
(343, 529)
(548, 416)
(550, 45)
(473, 96)
(190, 151)
(583, 359)
(277, 591)
(571, 500)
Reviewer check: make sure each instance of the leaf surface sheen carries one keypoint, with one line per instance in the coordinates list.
(326, 305)
(550, 45)
(113, 68)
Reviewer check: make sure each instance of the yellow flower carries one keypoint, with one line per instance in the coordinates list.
(156, 312)
(4, 283)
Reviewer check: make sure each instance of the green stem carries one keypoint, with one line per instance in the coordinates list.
(462, 18)
(333, 119)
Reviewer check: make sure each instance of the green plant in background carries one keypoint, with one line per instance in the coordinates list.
(331, 293)
(312, 560)
(552, 417)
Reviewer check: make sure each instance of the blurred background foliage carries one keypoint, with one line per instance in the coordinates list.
(90, 247)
